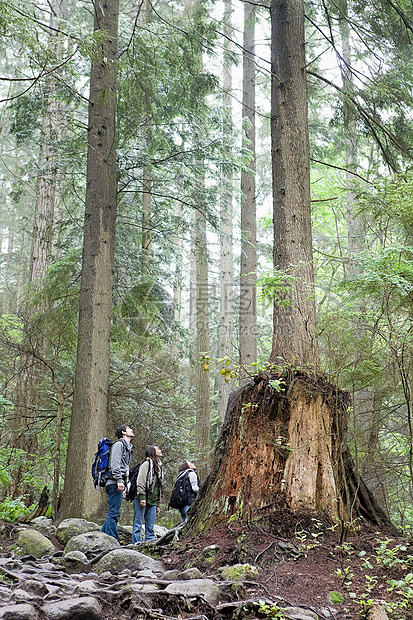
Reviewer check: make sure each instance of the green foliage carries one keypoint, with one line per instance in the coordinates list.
(13, 509)
(270, 610)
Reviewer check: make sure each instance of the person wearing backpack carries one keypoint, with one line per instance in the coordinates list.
(120, 458)
(185, 489)
(149, 485)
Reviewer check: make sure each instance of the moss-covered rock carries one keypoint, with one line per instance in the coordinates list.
(34, 543)
(239, 572)
(92, 542)
(69, 528)
(120, 559)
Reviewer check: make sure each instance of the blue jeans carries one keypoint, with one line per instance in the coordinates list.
(147, 514)
(115, 497)
(183, 512)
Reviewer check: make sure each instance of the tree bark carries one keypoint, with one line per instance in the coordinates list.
(90, 402)
(248, 275)
(294, 339)
(226, 332)
(202, 338)
(286, 449)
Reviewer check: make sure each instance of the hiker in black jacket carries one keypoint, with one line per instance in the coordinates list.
(120, 458)
(187, 471)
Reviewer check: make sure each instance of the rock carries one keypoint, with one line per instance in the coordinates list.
(43, 524)
(171, 575)
(377, 613)
(239, 572)
(36, 588)
(91, 542)
(125, 534)
(205, 588)
(74, 561)
(328, 612)
(119, 559)
(298, 613)
(88, 586)
(69, 528)
(34, 543)
(18, 612)
(190, 573)
(83, 608)
(146, 572)
(21, 596)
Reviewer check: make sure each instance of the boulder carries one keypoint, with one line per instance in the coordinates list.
(34, 543)
(74, 561)
(18, 612)
(69, 528)
(239, 572)
(190, 573)
(91, 542)
(204, 588)
(83, 608)
(120, 559)
(43, 524)
(34, 587)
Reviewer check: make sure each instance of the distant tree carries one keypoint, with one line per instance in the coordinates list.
(27, 397)
(248, 273)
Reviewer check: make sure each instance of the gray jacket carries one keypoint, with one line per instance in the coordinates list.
(120, 458)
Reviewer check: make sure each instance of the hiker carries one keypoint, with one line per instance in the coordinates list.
(148, 495)
(120, 458)
(188, 484)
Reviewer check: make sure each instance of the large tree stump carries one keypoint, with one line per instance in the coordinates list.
(287, 447)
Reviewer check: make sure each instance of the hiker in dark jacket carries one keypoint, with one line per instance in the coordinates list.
(120, 458)
(148, 495)
(187, 469)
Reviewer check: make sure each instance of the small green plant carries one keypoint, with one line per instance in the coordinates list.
(270, 611)
(12, 509)
(247, 406)
(336, 597)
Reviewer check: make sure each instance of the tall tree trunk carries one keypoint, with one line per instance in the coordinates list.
(355, 227)
(90, 403)
(226, 335)
(27, 393)
(248, 277)
(202, 338)
(294, 339)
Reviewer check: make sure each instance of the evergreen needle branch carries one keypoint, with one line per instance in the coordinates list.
(46, 27)
(331, 42)
(401, 14)
(35, 79)
(371, 120)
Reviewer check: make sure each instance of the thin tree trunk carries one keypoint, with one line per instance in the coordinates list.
(294, 339)
(355, 226)
(90, 403)
(226, 335)
(248, 277)
(202, 341)
(27, 393)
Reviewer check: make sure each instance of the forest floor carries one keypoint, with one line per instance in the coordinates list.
(300, 562)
